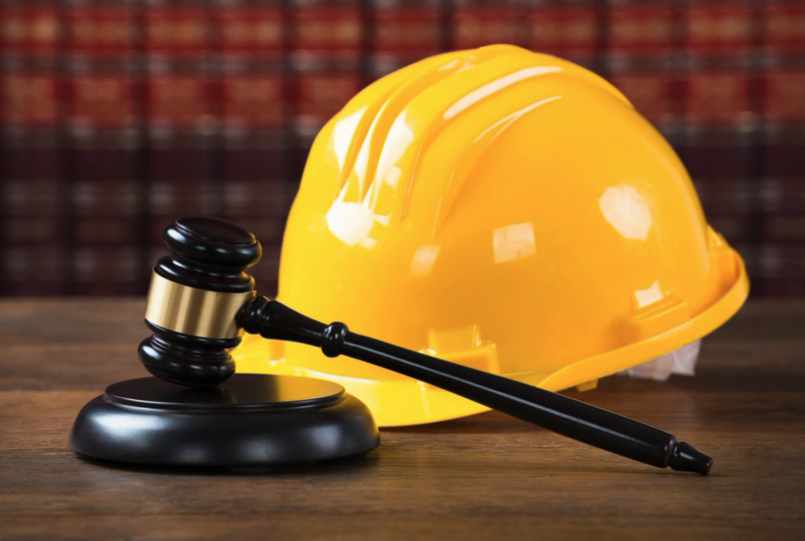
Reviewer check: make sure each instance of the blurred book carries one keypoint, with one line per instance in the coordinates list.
(33, 200)
(103, 134)
(250, 69)
(181, 120)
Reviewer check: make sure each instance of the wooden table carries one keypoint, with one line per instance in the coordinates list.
(488, 476)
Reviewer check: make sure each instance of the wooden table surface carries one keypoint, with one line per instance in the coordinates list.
(487, 476)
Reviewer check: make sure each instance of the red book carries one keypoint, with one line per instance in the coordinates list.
(328, 38)
(332, 28)
(404, 31)
(254, 28)
(327, 48)
(719, 27)
(485, 22)
(181, 115)
(719, 93)
(252, 104)
(640, 39)
(250, 93)
(32, 28)
(103, 130)
(719, 80)
(783, 88)
(783, 26)
(652, 89)
(321, 91)
(720, 106)
(566, 29)
(641, 28)
(253, 114)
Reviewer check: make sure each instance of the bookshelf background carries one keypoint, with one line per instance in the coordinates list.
(116, 116)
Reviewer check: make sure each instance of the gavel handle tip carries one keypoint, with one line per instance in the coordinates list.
(686, 458)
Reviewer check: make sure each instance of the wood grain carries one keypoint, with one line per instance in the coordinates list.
(487, 476)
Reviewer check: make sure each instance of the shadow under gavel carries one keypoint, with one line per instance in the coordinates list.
(201, 299)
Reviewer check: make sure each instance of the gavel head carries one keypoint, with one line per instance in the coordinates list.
(195, 295)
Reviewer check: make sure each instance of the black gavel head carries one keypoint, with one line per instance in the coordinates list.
(195, 295)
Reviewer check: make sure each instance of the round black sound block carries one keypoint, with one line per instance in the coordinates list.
(251, 420)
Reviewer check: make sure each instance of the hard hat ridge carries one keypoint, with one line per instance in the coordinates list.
(502, 209)
(380, 135)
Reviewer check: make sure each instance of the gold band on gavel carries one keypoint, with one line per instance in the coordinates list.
(197, 312)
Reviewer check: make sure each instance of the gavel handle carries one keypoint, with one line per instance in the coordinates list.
(561, 414)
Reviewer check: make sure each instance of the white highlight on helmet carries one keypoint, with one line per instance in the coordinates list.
(681, 361)
(498, 84)
(449, 65)
(342, 135)
(399, 138)
(650, 295)
(626, 210)
(513, 242)
(350, 221)
(423, 260)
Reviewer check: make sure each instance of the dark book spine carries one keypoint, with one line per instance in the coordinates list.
(720, 109)
(326, 57)
(252, 97)
(721, 159)
(476, 23)
(781, 271)
(182, 129)
(104, 140)
(327, 46)
(567, 29)
(402, 32)
(33, 192)
(640, 41)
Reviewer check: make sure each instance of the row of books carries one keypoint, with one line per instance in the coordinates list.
(117, 116)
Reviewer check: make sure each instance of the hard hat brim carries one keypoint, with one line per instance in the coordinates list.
(386, 397)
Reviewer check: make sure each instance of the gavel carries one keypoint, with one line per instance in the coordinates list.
(201, 300)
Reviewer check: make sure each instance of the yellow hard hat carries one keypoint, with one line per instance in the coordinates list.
(502, 209)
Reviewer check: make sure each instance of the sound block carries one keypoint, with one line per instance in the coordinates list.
(249, 421)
